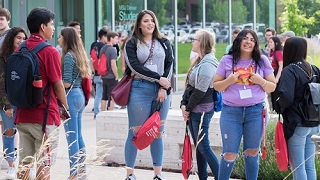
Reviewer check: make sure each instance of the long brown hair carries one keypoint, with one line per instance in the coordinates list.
(73, 43)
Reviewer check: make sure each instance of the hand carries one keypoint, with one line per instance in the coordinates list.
(256, 79)
(9, 112)
(162, 95)
(164, 82)
(185, 113)
(233, 77)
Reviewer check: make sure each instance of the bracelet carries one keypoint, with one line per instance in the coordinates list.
(264, 84)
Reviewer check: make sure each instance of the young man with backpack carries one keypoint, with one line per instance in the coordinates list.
(94, 54)
(30, 121)
(110, 79)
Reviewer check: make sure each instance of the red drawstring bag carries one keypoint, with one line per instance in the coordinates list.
(186, 157)
(86, 86)
(281, 147)
(150, 128)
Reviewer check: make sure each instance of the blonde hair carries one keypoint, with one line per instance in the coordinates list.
(207, 45)
(73, 43)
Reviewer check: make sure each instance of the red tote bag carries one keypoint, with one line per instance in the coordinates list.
(121, 92)
(86, 86)
(186, 157)
(281, 148)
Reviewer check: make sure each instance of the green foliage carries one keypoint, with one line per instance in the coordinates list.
(312, 9)
(160, 12)
(219, 11)
(293, 19)
(268, 167)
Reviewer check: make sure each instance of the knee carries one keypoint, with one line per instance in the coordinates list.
(251, 152)
(229, 156)
(161, 130)
(9, 132)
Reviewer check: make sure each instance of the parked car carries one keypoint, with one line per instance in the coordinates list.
(182, 36)
(192, 33)
(223, 36)
(169, 34)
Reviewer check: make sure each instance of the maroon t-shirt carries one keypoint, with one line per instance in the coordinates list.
(50, 70)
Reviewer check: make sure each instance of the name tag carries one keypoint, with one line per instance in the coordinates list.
(245, 93)
(152, 67)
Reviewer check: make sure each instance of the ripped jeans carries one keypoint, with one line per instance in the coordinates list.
(235, 123)
(8, 141)
(141, 96)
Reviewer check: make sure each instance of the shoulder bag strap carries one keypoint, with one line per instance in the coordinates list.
(151, 52)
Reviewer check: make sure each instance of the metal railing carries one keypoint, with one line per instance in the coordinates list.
(316, 140)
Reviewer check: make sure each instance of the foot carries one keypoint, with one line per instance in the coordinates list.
(131, 177)
(158, 177)
(12, 173)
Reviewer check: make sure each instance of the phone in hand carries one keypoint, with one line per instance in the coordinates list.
(64, 113)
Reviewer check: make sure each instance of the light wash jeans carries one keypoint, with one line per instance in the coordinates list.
(235, 123)
(141, 96)
(97, 99)
(204, 153)
(301, 153)
(73, 129)
(8, 141)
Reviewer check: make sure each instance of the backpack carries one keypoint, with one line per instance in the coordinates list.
(23, 81)
(103, 65)
(309, 107)
(94, 54)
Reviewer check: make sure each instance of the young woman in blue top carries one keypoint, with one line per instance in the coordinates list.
(75, 66)
(197, 101)
(244, 76)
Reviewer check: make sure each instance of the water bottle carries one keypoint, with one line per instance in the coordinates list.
(37, 81)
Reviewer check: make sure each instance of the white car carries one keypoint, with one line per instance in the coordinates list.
(169, 34)
(192, 33)
(182, 36)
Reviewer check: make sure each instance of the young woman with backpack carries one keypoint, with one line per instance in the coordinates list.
(75, 66)
(11, 42)
(293, 82)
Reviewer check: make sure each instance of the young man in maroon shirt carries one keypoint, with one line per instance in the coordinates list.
(29, 121)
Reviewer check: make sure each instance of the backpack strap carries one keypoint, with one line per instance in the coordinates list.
(44, 124)
(39, 47)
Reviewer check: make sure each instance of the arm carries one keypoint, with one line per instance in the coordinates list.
(280, 63)
(123, 63)
(60, 92)
(268, 84)
(68, 66)
(220, 83)
(114, 68)
(286, 89)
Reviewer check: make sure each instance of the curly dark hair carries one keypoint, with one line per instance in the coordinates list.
(7, 47)
(236, 52)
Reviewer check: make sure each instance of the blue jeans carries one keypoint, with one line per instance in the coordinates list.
(97, 99)
(8, 141)
(204, 152)
(235, 123)
(301, 153)
(141, 96)
(73, 129)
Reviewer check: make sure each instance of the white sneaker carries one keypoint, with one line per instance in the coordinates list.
(158, 177)
(12, 173)
(32, 173)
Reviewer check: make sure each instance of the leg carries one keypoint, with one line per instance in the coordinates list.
(82, 147)
(98, 96)
(104, 95)
(231, 138)
(111, 83)
(9, 131)
(310, 154)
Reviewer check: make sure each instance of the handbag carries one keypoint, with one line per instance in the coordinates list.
(186, 157)
(86, 86)
(121, 92)
(150, 128)
(281, 150)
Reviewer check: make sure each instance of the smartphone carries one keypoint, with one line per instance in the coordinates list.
(65, 112)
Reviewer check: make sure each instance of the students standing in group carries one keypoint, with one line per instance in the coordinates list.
(294, 79)
(197, 101)
(244, 76)
(14, 37)
(149, 57)
(75, 66)
(109, 80)
(76, 26)
(97, 45)
(29, 120)
(235, 34)
(276, 57)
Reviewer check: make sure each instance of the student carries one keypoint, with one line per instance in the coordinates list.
(75, 66)
(75, 25)
(29, 121)
(151, 83)
(235, 34)
(197, 102)
(293, 82)
(109, 80)
(97, 78)
(11, 42)
(244, 76)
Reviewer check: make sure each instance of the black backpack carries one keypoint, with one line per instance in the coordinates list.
(23, 81)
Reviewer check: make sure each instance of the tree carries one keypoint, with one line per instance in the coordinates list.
(312, 9)
(293, 19)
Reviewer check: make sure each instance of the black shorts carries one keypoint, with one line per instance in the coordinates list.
(108, 85)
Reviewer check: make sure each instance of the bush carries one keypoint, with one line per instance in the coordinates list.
(268, 167)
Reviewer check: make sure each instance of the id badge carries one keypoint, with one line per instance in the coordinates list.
(245, 93)
(152, 67)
